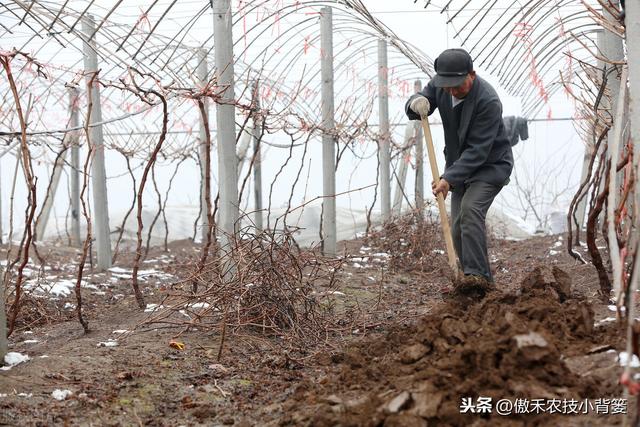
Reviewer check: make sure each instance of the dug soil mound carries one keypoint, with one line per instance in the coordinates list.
(503, 346)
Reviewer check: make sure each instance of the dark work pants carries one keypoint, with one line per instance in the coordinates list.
(469, 206)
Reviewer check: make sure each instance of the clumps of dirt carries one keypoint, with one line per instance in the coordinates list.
(473, 287)
(506, 346)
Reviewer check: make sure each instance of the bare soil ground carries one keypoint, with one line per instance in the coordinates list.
(415, 355)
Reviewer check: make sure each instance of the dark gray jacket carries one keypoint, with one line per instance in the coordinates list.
(479, 149)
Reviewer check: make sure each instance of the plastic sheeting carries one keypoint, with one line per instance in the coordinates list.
(303, 223)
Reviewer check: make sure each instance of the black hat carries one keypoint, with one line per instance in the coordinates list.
(452, 68)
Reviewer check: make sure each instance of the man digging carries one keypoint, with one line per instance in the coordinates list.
(477, 151)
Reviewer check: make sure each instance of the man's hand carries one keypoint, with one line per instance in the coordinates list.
(420, 106)
(442, 186)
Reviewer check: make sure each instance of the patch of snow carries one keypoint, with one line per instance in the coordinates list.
(613, 308)
(438, 251)
(61, 288)
(44, 356)
(164, 276)
(623, 358)
(29, 341)
(12, 359)
(382, 255)
(61, 394)
(123, 273)
(57, 287)
(153, 307)
(69, 306)
(25, 395)
(199, 305)
(357, 265)
(118, 270)
(558, 244)
(120, 331)
(27, 332)
(365, 248)
(28, 272)
(552, 252)
(373, 279)
(108, 343)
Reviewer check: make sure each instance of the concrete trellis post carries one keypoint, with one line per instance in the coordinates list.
(401, 175)
(203, 78)
(328, 140)
(417, 86)
(43, 219)
(225, 119)
(257, 163)
(3, 321)
(1, 238)
(610, 47)
(633, 60)
(412, 136)
(75, 168)
(70, 140)
(98, 172)
(581, 209)
(383, 144)
(612, 157)
(603, 108)
(612, 50)
(632, 20)
(582, 205)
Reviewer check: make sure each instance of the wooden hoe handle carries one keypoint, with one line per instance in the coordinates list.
(444, 219)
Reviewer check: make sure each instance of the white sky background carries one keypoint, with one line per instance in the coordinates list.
(553, 150)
